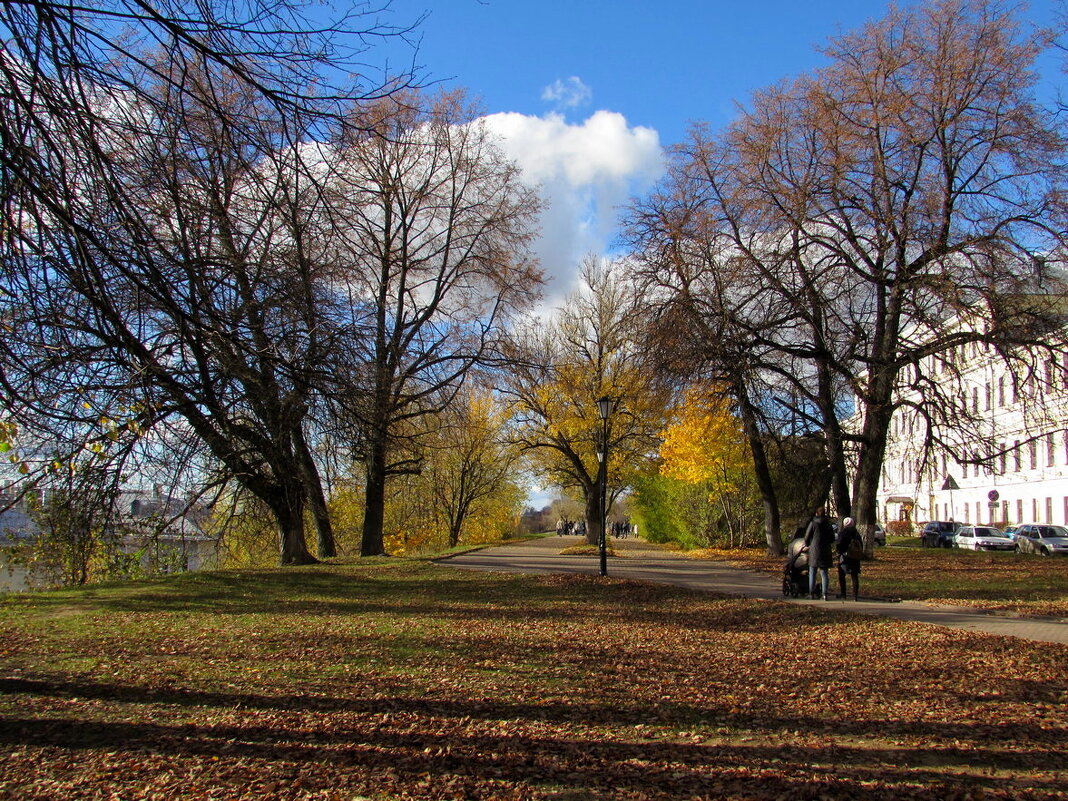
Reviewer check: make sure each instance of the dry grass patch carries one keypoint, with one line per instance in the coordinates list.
(411, 681)
(585, 549)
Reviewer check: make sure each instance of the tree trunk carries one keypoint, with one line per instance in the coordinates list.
(454, 534)
(374, 512)
(593, 515)
(313, 487)
(772, 521)
(869, 472)
(288, 508)
(456, 521)
(832, 431)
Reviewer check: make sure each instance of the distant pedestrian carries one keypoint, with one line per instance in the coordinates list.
(850, 548)
(819, 542)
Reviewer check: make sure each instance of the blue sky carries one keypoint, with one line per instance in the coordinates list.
(587, 93)
(660, 64)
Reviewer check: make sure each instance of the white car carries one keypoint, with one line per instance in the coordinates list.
(1042, 539)
(982, 538)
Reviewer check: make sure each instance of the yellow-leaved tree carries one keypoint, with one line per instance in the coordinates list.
(593, 347)
(464, 484)
(705, 446)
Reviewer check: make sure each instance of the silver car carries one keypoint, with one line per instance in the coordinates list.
(1042, 539)
(982, 538)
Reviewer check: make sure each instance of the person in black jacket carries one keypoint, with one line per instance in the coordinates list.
(849, 563)
(819, 540)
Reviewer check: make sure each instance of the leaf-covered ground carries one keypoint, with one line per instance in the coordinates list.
(1023, 584)
(404, 680)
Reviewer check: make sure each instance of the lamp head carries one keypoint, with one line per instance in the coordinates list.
(604, 406)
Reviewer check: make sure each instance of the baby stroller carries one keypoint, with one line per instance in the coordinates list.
(795, 571)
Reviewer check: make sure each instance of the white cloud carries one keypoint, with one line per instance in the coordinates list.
(569, 93)
(585, 173)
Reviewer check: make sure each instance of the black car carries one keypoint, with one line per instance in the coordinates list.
(939, 534)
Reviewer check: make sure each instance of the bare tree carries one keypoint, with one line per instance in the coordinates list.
(435, 261)
(906, 183)
(151, 178)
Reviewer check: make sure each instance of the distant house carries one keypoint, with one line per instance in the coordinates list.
(166, 532)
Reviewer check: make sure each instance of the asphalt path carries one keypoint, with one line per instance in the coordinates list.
(641, 561)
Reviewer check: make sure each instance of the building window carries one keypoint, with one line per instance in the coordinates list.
(963, 469)
(1003, 456)
(1019, 510)
(986, 407)
(1050, 449)
(975, 400)
(1049, 511)
(967, 513)
(1066, 510)
(1032, 452)
(1016, 456)
(1034, 509)
(1001, 390)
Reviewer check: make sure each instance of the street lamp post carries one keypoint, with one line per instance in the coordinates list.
(604, 408)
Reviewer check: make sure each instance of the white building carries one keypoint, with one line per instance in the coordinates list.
(1004, 457)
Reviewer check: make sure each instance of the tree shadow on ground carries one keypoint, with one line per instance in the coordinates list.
(648, 768)
(975, 738)
(448, 593)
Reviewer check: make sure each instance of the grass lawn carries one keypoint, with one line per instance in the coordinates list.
(1023, 584)
(397, 679)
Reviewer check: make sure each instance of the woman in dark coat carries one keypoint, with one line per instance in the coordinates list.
(819, 540)
(846, 563)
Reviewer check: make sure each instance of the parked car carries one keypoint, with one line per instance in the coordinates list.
(938, 533)
(1041, 539)
(880, 535)
(1010, 532)
(982, 538)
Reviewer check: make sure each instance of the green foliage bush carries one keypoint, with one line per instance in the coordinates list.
(658, 504)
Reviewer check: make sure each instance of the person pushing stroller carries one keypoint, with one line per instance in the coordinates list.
(819, 543)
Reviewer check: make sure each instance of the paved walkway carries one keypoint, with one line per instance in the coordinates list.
(644, 562)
